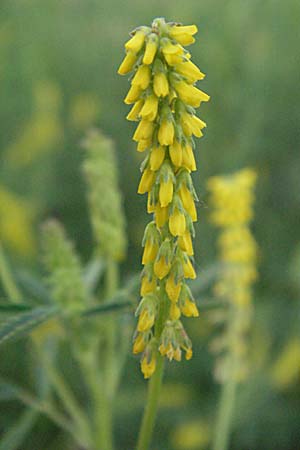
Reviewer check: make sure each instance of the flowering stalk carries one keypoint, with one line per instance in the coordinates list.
(164, 95)
(232, 201)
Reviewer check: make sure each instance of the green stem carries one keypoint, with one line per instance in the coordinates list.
(9, 284)
(148, 421)
(67, 398)
(225, 414)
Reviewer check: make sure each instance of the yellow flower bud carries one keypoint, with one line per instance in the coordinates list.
(166, 132)
(151, 49)
(188, 202)
(161, 267)
(146, 321)
(136, 42)
(166, 192)
(175, 312)
(149, 110)
(173, 289)
(190, 71)
(188, 354)
(188, 158)
(161, 215)
(150, 252)
(175, 152)
(190, 94)
(188, 269)
(178, 30)
(185, 243)
(148, 286)
(177, 223)
(157, 157)
(139, 344)
(133, 95)
(142, 77)
(172, 49)
(148, 368)
(127, 63)
(146, 182)
(133, 114)
(143, 131)
(160, 84)
(144, 144)
(189, 309)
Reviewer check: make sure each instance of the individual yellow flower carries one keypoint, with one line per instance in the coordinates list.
(177, 223)
(127, 63)
(136, 42)
(190, 94)
(189, 309)
(157, 157)
(142, 77)
(166, 190)
(161, 267)
(148, 366)
(185, 243)
(132, 95)
(166, 132)
(139, 344)
(144, 130)
(149, 110)
(151, 49)
(160, 84)
(146, 181)
(146, 320)
(175, 151)
(190, 71)
(133, 114)
(173, 288)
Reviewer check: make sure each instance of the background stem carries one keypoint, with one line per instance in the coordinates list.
(225, 414)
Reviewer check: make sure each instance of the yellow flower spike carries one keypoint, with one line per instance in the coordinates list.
(163, 91)
(146, 182)
(190, 94)
(133, 114)
(166, 132)
(148, 286)
(166, 190)
(132, 95)
(136, 42)
(175, 152)
(188, 269)
(143, 131)
(185, 243)
(139, 344)
(127, 63)
(190, 71)
(175, 312)
(142, 77)
(148, 367)
(157, 157)
(188, 158)
(144, 144)
(149, 110)
(161, 215)
(189, 309)
(161, 267)
(160, 84)
(172, 288)
(177, 223)
(188, 202)
(151, 49)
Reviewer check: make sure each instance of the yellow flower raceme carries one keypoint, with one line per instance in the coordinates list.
(232, 201)
(164, 93)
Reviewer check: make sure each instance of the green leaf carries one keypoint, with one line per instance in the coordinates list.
(33, 287)
(23, 323)
(14, 437)
(107, 307)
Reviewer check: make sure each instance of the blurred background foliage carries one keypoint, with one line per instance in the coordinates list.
(57, 79)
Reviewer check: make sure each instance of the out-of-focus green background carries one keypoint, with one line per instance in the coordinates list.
(58, 77)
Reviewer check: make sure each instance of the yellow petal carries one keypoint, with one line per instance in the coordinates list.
(146, 182)
(173, 289)
(127, 63)
(166, 192)
(175, 152)
(160, 84)
(161, 268)
(133, 114)
(149, 110)
(177, 223)
(142, 77)
(133, 95)
(166, 132)
(157, 156)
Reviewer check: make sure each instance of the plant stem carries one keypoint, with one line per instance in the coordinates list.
(9, 284)
(151, 406)
(67, 398)
(225, 414)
